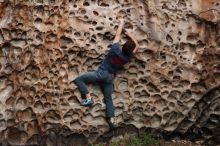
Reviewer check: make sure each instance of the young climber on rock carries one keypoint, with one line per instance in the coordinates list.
(104, 75)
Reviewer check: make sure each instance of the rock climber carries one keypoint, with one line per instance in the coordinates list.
(111, 64)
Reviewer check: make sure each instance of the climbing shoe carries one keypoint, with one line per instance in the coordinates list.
(87, 102)
(110, 122)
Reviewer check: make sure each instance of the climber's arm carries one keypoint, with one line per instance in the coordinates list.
(131, 36)
(118, 32)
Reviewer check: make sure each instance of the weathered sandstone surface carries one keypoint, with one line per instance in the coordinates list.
(172, 85)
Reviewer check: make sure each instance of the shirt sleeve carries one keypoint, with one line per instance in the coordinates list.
(115, 48)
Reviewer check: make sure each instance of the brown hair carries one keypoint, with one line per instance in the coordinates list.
(128, 47)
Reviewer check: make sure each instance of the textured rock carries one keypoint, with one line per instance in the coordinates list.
(171, 85)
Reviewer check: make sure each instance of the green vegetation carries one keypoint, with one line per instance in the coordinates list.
(142, 140)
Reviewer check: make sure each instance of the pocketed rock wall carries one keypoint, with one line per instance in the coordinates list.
(172, 84)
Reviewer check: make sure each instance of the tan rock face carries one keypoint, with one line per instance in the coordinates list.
(172, 84)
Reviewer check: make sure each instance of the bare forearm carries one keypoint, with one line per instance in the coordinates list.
(132, 38)
(135, 41)
(118, 32)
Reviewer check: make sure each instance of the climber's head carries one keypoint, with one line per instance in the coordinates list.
(128, 47)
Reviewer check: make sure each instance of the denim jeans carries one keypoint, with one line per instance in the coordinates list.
(105, 80)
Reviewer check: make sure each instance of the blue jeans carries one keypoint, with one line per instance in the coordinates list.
(105, 79)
